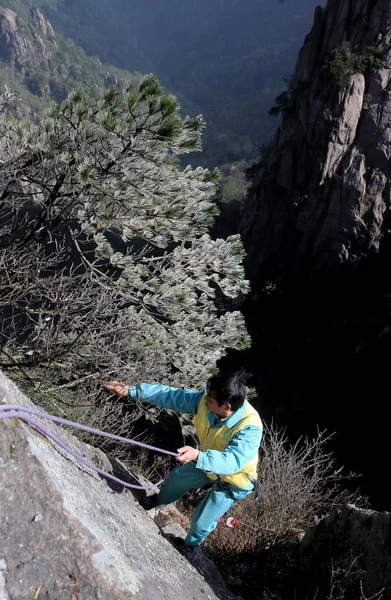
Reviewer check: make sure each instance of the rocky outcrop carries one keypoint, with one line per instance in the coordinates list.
(42, 24)
(67, 534)
(20, 43)
(40, 67)
(321, 193)
(348, 549)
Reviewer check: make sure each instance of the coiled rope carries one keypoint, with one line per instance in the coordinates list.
(12, 411)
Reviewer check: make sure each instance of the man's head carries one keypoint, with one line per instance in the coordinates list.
(226, 393)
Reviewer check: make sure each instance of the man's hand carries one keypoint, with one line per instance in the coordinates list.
(117, 388)
(187, 454)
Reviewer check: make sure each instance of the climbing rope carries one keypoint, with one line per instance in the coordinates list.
(12, 411)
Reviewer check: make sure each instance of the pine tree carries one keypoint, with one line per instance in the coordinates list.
(107, 267)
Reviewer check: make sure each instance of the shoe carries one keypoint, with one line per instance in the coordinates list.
(149, 502)
(188, 551)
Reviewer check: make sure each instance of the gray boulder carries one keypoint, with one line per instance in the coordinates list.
(67, 534)
(350, 549)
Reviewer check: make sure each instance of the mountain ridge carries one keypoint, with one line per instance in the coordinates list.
(39, 65)
(226, 60)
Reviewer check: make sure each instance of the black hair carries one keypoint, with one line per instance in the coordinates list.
(229, 388)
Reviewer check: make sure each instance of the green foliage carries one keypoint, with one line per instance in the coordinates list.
(282, 104)
(230, 197)
(366, 100)
(234, 187)
(23, 7)
(371, 58)
(28, 101)
(233, 184)
(346, 62)
(327, 113)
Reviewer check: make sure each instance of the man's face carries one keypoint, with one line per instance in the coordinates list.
(211, 403)
(222, 411)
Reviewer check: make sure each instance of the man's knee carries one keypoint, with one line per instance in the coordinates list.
(204, 531)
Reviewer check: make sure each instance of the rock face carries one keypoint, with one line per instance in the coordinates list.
(316, 228)
(321, 193)
(39, 66)
(42, 24)
(356, 544)
(66, 534)
(21, 44)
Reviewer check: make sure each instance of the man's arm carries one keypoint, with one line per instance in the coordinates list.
(235, 456)
(183, 401)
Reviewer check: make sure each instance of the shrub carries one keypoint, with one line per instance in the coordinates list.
(283, 103)
(345, 62)
(298, 483)
(344, 583)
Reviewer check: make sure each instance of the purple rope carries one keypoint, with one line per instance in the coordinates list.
(12, 411)
(118, 438)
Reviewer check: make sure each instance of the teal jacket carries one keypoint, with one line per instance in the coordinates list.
(239, 451)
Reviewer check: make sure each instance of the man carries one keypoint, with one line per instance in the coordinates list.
(230, 432)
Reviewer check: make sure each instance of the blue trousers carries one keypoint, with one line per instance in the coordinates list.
(215, 504)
